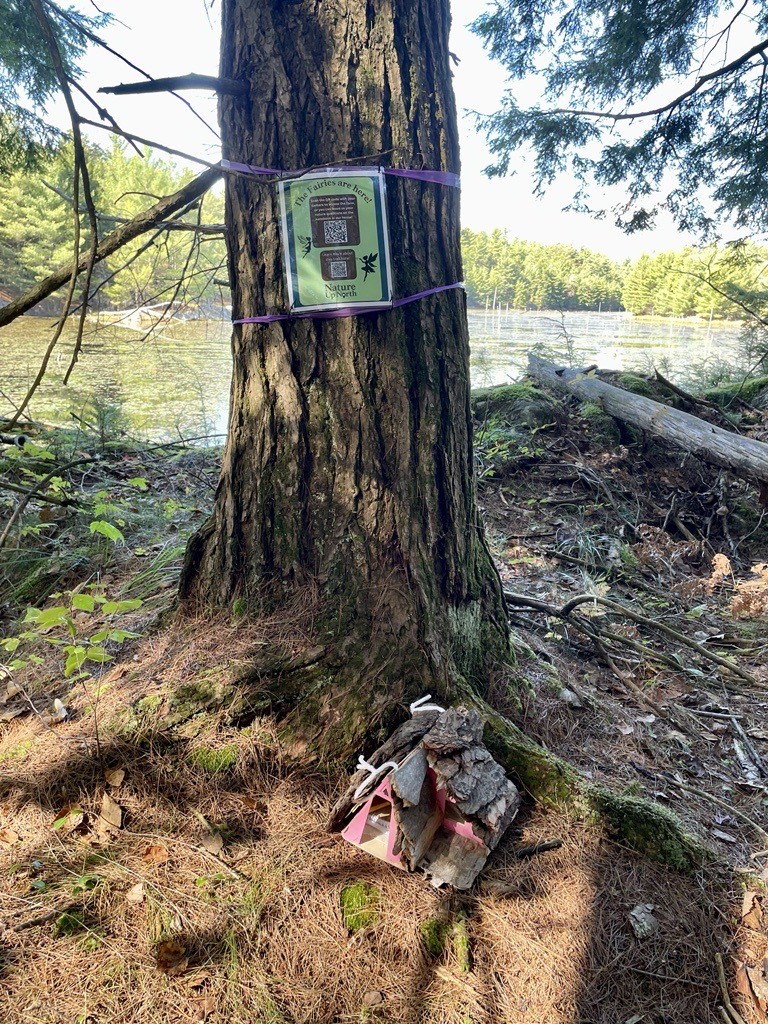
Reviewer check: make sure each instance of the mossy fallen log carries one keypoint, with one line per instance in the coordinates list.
(743, 456)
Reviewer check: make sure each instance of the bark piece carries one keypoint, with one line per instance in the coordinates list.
(396, 748)
(416, 812)
(472, 779)
(742, 455)
(455, 860)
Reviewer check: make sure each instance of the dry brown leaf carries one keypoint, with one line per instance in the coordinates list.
(725, 837)
(7, 835)
(155, 855)
(111, 812)
(752, 910)
(11, 690)
(136, 893)
(114, 777)
(213, 843)
(751, 596)
(204, 1005)
(11, 713)
(58, 713)
(721, 571)
(752, 983)
(172, 957)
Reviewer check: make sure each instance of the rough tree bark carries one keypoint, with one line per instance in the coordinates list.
(349, 459)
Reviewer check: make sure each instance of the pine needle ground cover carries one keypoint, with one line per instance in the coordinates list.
(163, 849)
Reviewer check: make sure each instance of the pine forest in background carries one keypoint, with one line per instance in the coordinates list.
(35, 234)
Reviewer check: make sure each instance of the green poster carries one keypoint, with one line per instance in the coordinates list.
(336, 239)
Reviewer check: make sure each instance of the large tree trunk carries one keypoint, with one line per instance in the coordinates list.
(349, 461)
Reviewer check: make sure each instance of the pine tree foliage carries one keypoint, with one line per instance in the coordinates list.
(528, 275)
(649, 95)
(725, 282)
(36, 227)
(28, 79)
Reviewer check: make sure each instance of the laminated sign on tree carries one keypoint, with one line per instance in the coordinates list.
(336, 240)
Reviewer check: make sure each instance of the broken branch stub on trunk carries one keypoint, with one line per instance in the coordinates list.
(742, 455)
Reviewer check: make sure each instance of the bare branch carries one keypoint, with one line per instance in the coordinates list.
(168, 225)
(225, 86)
(38, 487)
(80, 174)
(145, 221)
(98, 41)
(148, 142)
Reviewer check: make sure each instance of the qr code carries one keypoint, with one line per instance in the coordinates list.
(335, 232)
(338, 269)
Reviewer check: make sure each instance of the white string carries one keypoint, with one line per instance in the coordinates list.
(421, 705)
(362, 765)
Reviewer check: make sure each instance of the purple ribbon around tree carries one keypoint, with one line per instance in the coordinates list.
(447, 178)
(332, 314)
(435, 177)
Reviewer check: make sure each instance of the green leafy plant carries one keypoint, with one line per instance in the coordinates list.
(80, 628)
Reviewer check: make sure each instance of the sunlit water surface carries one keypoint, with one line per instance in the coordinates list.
(175, 383)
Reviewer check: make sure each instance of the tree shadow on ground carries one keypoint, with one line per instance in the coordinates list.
(260, 919)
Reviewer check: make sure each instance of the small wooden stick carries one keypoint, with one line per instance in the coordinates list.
(734, 1013)
(523, 852)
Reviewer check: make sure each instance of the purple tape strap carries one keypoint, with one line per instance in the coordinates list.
(436, 177)
(333, 314)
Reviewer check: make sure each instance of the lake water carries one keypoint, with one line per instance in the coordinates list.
(176, 382)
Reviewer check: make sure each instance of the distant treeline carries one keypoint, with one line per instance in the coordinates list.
(36, 234)
(702, 282)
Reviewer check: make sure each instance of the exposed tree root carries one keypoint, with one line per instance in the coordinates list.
(644, 826)
(335, 721)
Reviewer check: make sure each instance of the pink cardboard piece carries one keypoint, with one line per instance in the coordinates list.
(374, 828)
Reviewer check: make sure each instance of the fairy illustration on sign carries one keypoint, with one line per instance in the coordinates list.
(306, 245)
(369, 264)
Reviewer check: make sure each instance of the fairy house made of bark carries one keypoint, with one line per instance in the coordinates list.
(438, 802)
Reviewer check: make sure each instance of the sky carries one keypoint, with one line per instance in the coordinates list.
(148, 33)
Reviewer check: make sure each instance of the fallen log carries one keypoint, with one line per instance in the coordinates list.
(741, 455)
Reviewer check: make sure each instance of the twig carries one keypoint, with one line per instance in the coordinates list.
(523, 852)
(735, 1015)
(42, 919)
(662, 628)
(224, 86)
(139, 225)
(36, 489)
(81, 174)
(720, 803)
(64, 502)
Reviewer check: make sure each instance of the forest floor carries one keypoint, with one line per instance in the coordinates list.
(164, 858)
